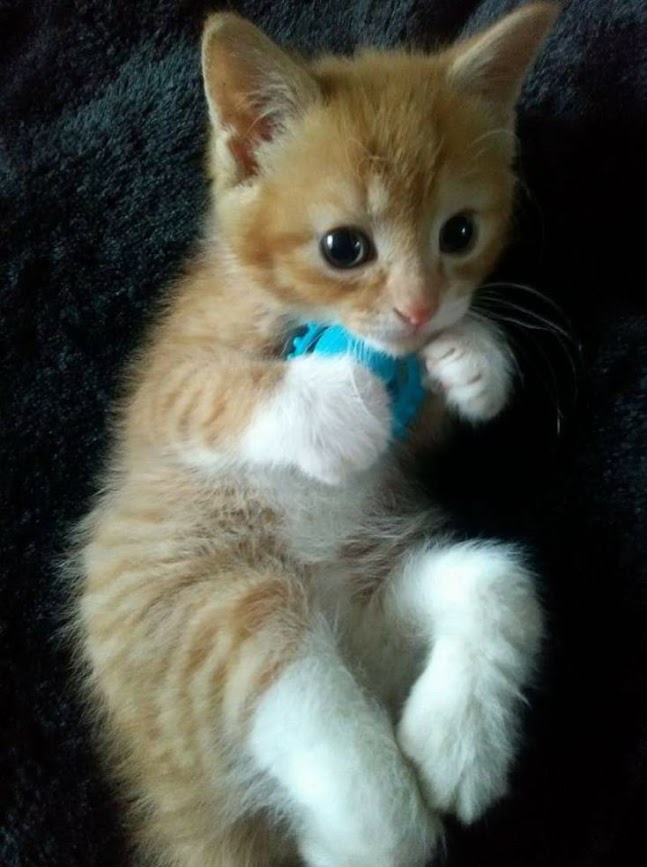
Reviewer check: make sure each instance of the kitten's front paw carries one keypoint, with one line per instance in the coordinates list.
(348, 426)
(472, 365)
(343, 423)
(330, 417)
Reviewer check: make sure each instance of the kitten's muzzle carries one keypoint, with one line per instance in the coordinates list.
(416, 316)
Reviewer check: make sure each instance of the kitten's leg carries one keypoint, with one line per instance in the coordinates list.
(472, 366)
(475, 607)
(339, 768)
(228, 700)
(175, 649)
(327, 416)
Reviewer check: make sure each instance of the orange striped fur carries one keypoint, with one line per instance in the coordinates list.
(193, 599)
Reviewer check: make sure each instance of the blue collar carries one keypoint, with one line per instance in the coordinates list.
(402, 376)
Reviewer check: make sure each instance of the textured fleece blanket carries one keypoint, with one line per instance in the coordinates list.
(102, 128)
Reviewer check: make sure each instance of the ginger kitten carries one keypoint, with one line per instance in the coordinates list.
(291, 659)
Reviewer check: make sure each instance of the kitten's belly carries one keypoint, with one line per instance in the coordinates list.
(319, 520)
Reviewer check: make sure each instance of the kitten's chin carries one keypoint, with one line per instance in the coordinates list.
(398, 347)
(398, 340)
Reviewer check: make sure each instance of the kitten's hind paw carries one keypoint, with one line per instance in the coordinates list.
(370, 851)
(462, 760)
(460, 722)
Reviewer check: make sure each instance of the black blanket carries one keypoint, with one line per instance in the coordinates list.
(102, 128)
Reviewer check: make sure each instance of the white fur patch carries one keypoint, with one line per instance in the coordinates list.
(333, 755)
(330, 418)
(459, 725)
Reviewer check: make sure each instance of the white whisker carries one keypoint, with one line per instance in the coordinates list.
(550, 324)
(529, 289)
(491, 303)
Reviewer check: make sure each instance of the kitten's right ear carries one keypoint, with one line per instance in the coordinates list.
(253, 89)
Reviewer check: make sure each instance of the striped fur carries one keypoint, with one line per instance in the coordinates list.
(241, 569)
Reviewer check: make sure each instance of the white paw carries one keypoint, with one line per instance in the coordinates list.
(365, 809)
(362, 832)
(459, 724)
(472, 365)
(330, 417)
(455, 740)
(370, 853)
(352, 798)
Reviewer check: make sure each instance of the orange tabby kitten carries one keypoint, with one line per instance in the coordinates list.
(295, 661)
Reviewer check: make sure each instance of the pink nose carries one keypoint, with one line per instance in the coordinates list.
(417, 315)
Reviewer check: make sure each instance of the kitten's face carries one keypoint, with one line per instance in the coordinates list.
(418, 179)
(381, 201)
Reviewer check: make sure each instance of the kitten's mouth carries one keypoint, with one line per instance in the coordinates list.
(405, 338)
(399, 343)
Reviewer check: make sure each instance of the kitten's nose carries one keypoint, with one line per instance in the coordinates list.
(416, 315)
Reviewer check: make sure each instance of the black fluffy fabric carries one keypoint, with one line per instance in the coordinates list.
(102, 134)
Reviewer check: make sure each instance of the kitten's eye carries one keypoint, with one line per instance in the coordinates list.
(458, 234)
(346, 247)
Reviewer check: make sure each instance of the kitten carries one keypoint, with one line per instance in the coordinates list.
(292, 659)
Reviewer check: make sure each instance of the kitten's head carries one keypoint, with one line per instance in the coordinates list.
(374, 191)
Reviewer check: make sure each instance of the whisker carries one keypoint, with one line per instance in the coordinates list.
(550, 387)
(492, 132)
(499, 314)
(518, 308)
(488, 291)
(567, 343)
(531, 326)
(357, 392)
(491, 305)
(503, 284)
(481, 316)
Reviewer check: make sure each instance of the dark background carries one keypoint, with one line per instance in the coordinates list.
(101, 193)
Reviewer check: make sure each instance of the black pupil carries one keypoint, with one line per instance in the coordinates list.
(457, 234)
(345, 248)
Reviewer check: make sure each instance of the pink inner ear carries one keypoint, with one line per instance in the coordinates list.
(243, 152)
(243, 147)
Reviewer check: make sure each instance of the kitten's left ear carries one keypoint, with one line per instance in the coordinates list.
(253, 90)
(493, 64)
